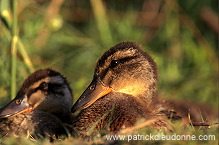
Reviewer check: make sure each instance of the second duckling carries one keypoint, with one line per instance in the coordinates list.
(41, 106)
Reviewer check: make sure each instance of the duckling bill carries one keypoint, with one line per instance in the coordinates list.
(94, 91)
(16, 106)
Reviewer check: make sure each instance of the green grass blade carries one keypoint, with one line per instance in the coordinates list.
(14, 50)
(99, 11)
(13, 66)
(5, 12)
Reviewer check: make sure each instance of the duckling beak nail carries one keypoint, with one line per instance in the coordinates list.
(93, 92)
(16, 106)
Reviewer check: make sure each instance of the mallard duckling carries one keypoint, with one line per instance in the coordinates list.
(41, 106)
(122, 89)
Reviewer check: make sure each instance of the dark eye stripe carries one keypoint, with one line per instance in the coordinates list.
(56, 89)
(122, 47)
(52, 88)
(126, 59)
(120, 61)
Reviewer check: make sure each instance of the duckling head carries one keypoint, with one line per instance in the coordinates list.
(44, 90)
(124, 68)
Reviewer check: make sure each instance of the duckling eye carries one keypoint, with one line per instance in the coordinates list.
(18, 102)
(44, 86)
(92, 87)
(114, 63)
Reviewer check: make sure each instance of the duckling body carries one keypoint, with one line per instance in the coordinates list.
(121, 92)
(41, 106)
(36, 123)
(111, 113)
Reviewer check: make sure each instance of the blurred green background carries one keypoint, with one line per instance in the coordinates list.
(70, 36)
